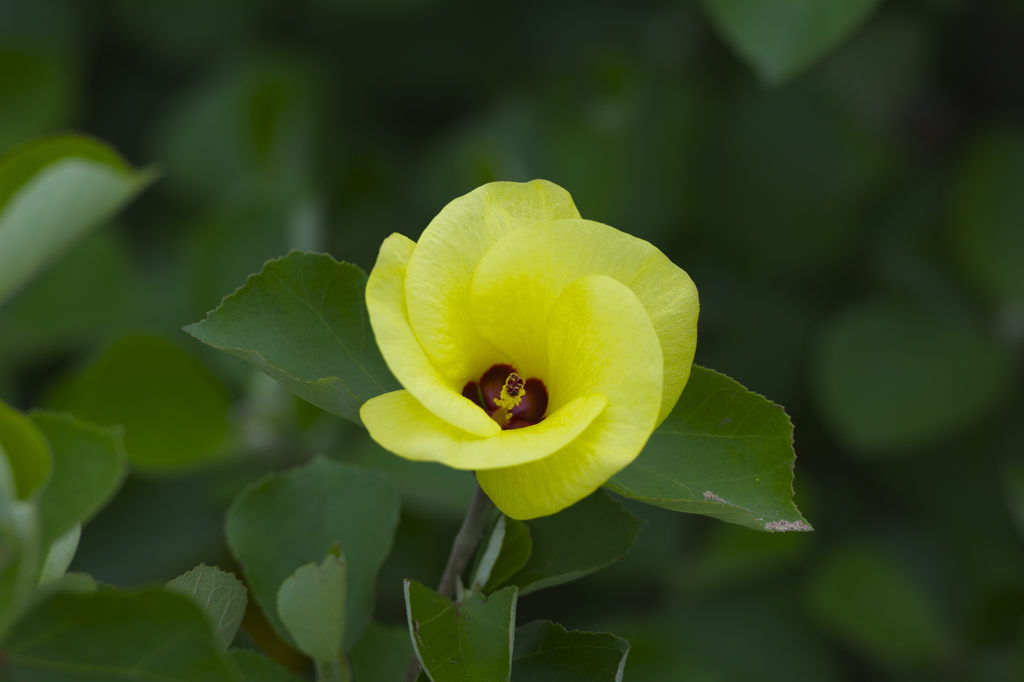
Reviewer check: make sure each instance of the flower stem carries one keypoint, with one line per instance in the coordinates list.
(469, 536)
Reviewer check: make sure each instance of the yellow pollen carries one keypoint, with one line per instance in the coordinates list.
(511, 392)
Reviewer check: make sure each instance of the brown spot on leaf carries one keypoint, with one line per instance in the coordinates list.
(711, 497)
(786, 526)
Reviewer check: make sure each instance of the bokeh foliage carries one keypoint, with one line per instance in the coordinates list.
(850, 210)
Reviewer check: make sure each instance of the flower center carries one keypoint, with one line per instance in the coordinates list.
(511, 392)
(510, 400)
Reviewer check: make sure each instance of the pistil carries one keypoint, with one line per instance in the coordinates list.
(511, 396)
(507, 398)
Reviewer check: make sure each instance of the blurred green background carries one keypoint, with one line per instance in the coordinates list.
(856, 234)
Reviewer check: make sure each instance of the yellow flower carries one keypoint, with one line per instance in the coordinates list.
(536, 348)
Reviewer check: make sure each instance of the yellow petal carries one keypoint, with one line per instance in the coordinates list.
(520, 277)
(439, 271)
(402, 425)
(599, 339)
(385, 301)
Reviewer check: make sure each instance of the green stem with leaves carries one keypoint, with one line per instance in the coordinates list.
(465, 544)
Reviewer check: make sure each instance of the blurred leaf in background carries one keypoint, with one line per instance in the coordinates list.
(173, 409)
(51, 193)
(892, 378)
(871, 602)
(781, 39)
(87, 295)
(253, 120)
(986, 215)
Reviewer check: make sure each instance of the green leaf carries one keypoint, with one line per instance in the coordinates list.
(761, 624)
(577, 541)
(288, 520)
(724, 452)
(256, 222)
(545, 652)
(69, 583)
(1012, 479)
(85, 294)
(250, 118)
(220, 595)
(89, 467)
(986, 214)
(382, 655)
(148, 635)
(303, 321)
(311, 603)
(258, 668)
(173, 409)
(19, 557)
(471, 640)
(24, 463)
(781, 38)
(892, 378)
(870, 601)
(60, 554)
(28, 452)
(52, 191)
(506, 551)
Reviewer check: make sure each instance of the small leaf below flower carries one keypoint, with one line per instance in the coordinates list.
(546, 652)
(458, 641)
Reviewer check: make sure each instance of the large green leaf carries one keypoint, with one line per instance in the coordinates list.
(892, 378)
(173, 409)
(220, 595)
(291, 519)
(311, 603)
(781, 38)
(724, 452)
(28, 453)
(52, 191)
(89, 466)
(462, 641)
(382, 655)
(589, 535)
(258, 668)
(987, 211)
(112, 635)
(545, 652)
(303, 321)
